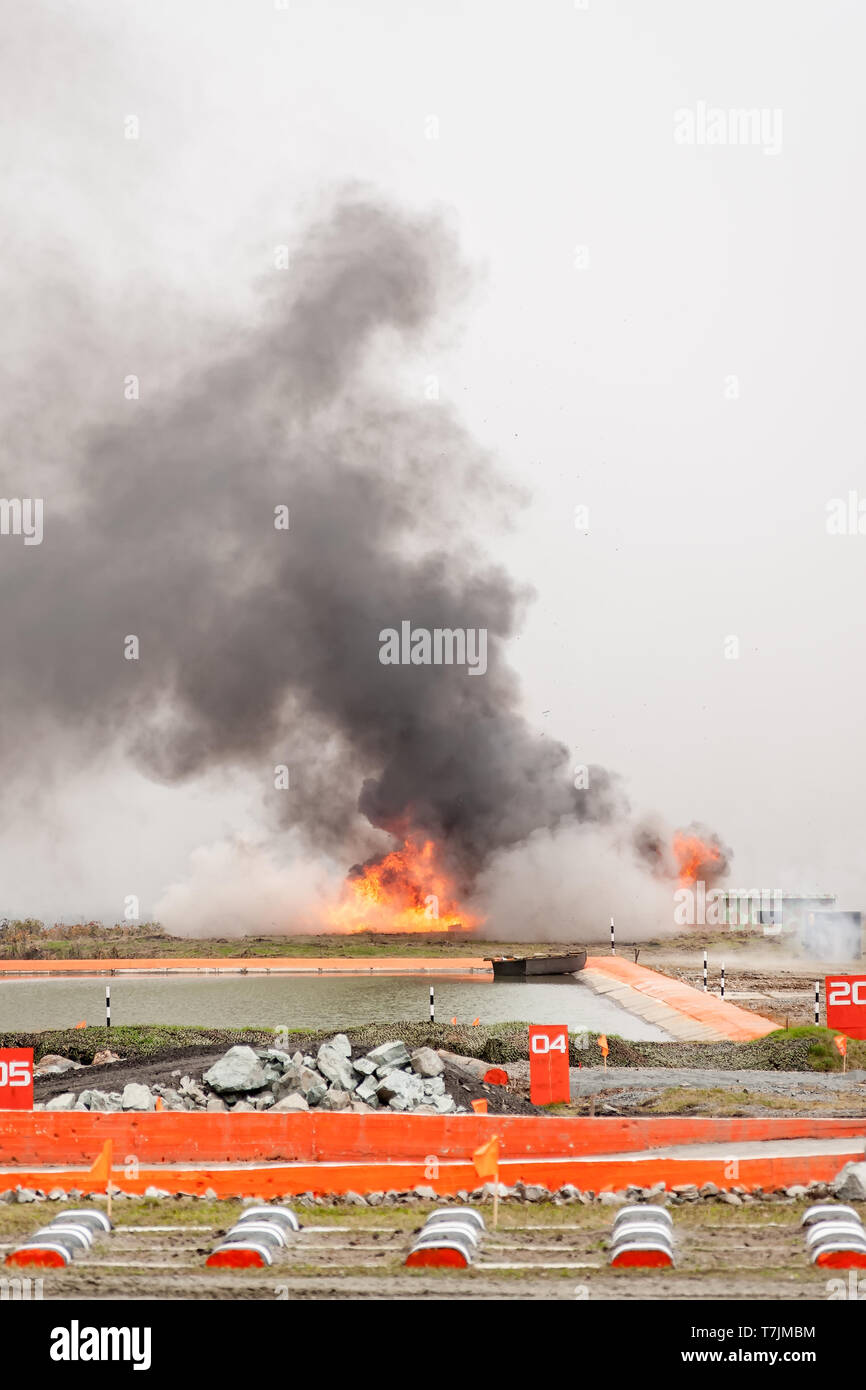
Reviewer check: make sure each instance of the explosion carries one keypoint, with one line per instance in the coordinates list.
(404, 891)
(690, 855)
(697, 859)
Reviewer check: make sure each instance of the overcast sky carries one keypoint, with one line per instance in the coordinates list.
(669, 334)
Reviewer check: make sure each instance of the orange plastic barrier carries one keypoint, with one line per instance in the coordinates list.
(71, 1137)
(598, 1175)
(738, 1024)
(291, 965)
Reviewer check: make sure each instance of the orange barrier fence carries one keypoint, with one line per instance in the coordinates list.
(596, 1175)
(76, 1136)
(290, 965)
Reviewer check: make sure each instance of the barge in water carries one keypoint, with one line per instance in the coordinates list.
(519, 967)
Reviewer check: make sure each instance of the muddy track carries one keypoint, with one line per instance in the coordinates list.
(717, 1257)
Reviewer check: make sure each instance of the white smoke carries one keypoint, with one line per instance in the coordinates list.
(238, 887)
(566, 884)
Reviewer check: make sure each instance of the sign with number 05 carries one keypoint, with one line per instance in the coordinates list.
(548, 1063)
(846, 1004)
(16, 1078)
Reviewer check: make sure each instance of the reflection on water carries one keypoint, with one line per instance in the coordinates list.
(319, 1001)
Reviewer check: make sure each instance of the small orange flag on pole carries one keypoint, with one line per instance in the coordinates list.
(480, 1107)
(486, 1160)
(101, 1169)
(82, 1024)
(602, 1042)
(842, 1048)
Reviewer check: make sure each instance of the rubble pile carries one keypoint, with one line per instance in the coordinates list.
(267, 1078)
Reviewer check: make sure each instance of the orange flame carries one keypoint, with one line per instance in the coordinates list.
(404, 891)
(694, 857)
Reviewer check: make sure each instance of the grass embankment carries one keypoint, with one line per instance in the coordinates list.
(794, 1049)
(114, 943)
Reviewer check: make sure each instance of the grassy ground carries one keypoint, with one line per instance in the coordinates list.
(156, 943)
(795, 1049)
(17, 1219)
(254, 947)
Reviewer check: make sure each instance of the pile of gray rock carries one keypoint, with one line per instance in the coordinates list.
(247, 1079)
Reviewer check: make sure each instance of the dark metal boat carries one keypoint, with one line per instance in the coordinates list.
(518, 967)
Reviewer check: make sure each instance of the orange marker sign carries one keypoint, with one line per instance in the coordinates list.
(846, 1004)
(16, 1078)
(548, 1063)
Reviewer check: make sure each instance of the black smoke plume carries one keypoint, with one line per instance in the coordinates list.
(260, 646)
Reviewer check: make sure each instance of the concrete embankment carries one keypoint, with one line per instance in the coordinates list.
(687, 1014)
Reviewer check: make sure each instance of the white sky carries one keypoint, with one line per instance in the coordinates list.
(602, 386)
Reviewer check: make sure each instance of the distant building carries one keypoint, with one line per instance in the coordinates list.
(767, 907)
(822, 930)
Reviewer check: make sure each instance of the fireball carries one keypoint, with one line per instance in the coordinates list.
(404, 891)
(696, 859)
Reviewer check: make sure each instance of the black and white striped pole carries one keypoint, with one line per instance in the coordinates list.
(817, 1002)
(612, 939)
(108, 1006)
(723, 979)
(432, 1006)
(706, 982)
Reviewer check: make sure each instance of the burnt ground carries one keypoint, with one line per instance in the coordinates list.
(194, 1061)
(539, 1251)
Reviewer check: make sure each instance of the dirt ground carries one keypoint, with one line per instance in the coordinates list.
(540, 1251)
(763, 974)
(704, 1091)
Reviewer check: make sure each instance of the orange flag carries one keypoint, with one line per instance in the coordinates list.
(841, 1044)
(480, 1107)
(486, 1159)
(102, 1167)
(81, 1025)
(454, 1020)
(602, 1042)
(475, 1022)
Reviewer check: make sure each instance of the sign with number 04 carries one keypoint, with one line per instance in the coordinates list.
(16, 1078)
(548, 1063)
